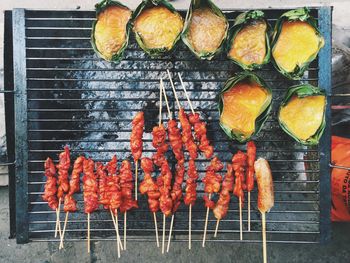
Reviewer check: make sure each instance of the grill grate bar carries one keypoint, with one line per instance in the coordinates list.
(197, 80)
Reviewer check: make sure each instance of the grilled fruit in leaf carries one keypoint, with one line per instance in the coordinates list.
(296, 42)
(302, 113)
(110, 30)
(157, 27)
(205, 29)
(248, 43)
(244, 105)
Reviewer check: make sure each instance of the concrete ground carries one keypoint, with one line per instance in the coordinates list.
(337, 251)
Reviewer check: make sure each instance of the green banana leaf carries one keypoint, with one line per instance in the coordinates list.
(241, 21)
(301, 14)
(302, 91)
(264, 111)
(119, 54)
(184, 36)
(154, 52)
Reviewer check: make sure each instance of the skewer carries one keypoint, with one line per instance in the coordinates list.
(188, 98)
(163, 239)
(64, 230)
(160, 102)
(189, 227)
(117, 227)
(170, 117)
(88, 240)
(217, 227)
(58, 222)
(119, 242)
(136, 175)
(166, 98)
(240, 219)
(156, 228)
(172, 86)
(264, 236)
(170, 232)
(206, 224)
(249, 211)
(125, 230)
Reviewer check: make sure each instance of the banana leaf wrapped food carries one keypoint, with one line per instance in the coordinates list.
(157, 26)
(244, 106)
(248, 43)
(302, 113)
(205, 29)
(296, 42)
(110, 30)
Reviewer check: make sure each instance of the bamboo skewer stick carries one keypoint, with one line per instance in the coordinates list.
(58, 222)
(125, 230)
(173, 87)
(170, 232)
(165, 98)
(136, 180)
(160, 102)
(240, 219)
(206, 224)
(189, 227)
(163, 239)
(170, 117)
(118, 237)
(119, 242)
(88, 240)
(249, 211)
(64, 230)
(56, 226)
(217, 227)
(188, 98)
(156, 228)
(263, 218)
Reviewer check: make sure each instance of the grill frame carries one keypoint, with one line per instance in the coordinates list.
(22, 141)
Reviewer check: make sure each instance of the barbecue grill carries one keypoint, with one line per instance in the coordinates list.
(64, 94)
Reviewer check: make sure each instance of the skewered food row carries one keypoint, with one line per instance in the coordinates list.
(113, 191)
(158, 27)
(98, 186)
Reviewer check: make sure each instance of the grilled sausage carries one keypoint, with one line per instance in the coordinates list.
(265, 185)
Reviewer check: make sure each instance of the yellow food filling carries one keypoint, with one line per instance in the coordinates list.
(249, 44)
(303, 116)
(110, 30)
(297, 42)
(158, 27)
(242, 104)
(206, 30)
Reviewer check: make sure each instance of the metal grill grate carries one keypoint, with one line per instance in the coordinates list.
(66, 95)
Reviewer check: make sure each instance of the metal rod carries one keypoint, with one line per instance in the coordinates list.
(339, 167)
